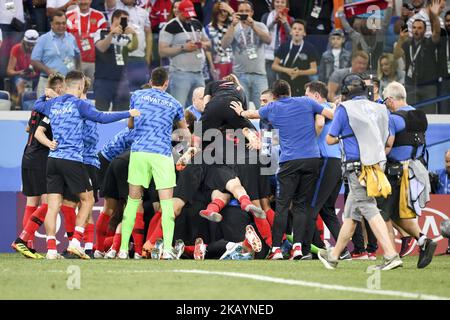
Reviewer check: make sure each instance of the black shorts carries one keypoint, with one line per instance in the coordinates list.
(104, 163)
(218, 175)
(115, 183)
(189, 183)
(67, 176)
(34, 182)
(249, 174)
(93, 176)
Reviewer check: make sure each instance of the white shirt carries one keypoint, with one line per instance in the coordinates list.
(15, 10)
(423, 15)
(139, 20)
(336, 53)
(58, 4)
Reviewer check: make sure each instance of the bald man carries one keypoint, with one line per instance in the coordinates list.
(198, 105)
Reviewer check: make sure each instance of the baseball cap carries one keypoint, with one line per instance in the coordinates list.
(31, 36)
(186, 8)
(337, 32)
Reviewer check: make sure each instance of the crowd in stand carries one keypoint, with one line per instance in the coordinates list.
(118, 42)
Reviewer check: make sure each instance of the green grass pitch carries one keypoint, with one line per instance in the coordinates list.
(22, 278)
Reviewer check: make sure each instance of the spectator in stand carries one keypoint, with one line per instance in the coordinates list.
(248, 38)
(336, 57)
(19, 66)
(388, 71)
(278, 22)
(39, 15)
(159, 16)
(419, 53)
(360, 60)
(296, 60)
(139, 60)
(12, 24)
(221, 58)
(60, 5)
(444, 65)
(425, 15)
(83, 22)
(183, 40)
(371, 37)
(111, 55)
(406, 13)
(55, 51)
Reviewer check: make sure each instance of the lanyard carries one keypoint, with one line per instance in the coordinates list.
(244, 38)
(187, 33)
(413, 59)
(79, 22)
(57, 49)
(286, 59)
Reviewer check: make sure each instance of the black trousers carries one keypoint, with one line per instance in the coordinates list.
(324, 199)
(297, 179)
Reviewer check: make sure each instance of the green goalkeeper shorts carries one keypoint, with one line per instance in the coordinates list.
(144, 165)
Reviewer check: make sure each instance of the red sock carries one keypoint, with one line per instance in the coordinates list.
(89, 232)
(107, 243)
(245, 201)
(216, 205)
(101, 229)
(69, 220)
(263, 227)
(189, 251)
(34, 222)
(153, 224)
(270, 216)
(138, 232)
(51, 243)
(157, 233)
(116, 241)
(27, 214)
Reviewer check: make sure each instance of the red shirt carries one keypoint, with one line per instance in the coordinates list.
(84, 29)
(159, 12)
(22, 59)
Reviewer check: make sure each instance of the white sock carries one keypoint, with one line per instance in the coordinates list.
(297, 244)
(52, 251)
(74, 243)
(275, 249)
(421, 240)
(229, 245)
(88, 246)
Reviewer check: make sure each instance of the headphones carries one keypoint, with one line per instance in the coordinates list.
(356, 81)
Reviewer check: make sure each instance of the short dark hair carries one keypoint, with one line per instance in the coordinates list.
(190, 120)
(319, 87)
(267, 91)
(281, 88)
(159, 76)
(74, 76)
(57, 13)
(420, 20)
(246, 2)
(447, 13)
(118, 13)
(300, 21)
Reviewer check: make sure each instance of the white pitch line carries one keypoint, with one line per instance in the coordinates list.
(293, 282)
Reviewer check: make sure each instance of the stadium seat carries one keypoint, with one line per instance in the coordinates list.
(5, 102)
(28, 100)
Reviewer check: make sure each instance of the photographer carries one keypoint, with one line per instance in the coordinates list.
(19, 66)
(111, 55)
(247, 38)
